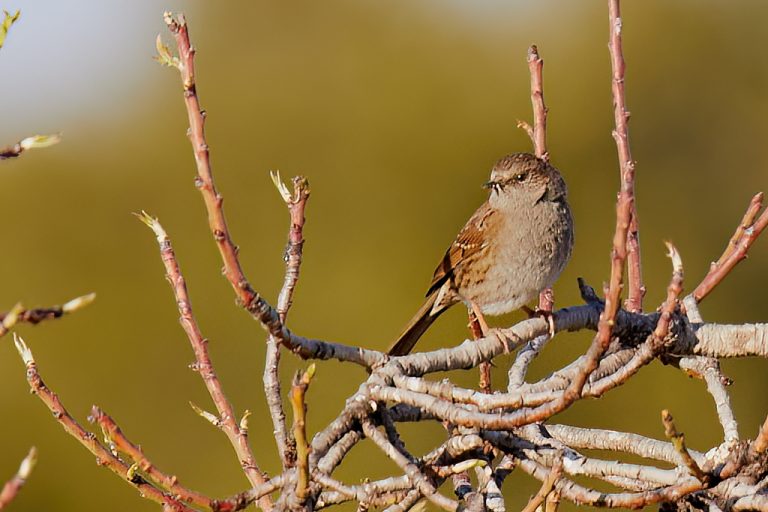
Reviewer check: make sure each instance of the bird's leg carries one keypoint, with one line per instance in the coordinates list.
(544, 309)
(546, 300)
(477, 321)
(479, 328)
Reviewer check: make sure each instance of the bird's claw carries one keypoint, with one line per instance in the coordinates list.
(546, 315)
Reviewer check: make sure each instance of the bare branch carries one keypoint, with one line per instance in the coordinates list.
(539, 132)
(538, 135)
(228, 422)
(298, 390)
(674, 290)
(634, 301)
(755, 205)
(708, 369)
(581, 495)
(37, 315)
(217, 223)
(118, 443)
(14, 485)
(485, 367)
(8, 20)
(10, 319)
(411, 470)
(296, 203)
(87, 439)
(33, 142)
(761, 441)
(598, 439)
(546, 487)
(734, 251)
(678, 441)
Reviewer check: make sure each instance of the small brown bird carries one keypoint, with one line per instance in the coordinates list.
(513, 247)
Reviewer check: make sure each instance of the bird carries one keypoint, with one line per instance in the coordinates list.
(514, 246)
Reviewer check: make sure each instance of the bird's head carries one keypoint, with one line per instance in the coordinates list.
(524, 179)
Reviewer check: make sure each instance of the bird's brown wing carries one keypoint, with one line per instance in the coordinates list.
(471, 240)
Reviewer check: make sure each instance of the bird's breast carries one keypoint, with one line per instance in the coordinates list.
(526, 255)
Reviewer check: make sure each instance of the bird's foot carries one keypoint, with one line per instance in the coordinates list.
(477, 323)
(543, 313)
(504, 339)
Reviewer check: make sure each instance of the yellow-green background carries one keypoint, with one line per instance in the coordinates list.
(395, 111)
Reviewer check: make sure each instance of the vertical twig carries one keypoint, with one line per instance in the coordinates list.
(299, 406)
(485, 367)
(296, 204)
(625, 211)
(716, 385)
(538, 135)
(547, 486)
(552, 501)
(634, 300)
(490, 491)
(674, 290)
(217, 223)
(536, 66)
(708, 369)
(678, 441)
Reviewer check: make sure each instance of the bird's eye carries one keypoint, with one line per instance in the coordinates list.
(520, 177)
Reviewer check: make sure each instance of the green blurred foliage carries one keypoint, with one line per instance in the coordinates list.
(396, 113)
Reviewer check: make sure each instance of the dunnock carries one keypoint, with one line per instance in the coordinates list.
(513, 247)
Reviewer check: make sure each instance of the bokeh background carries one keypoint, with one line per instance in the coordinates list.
(396, 112)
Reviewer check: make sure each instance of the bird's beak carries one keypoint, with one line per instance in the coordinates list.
(489, 184)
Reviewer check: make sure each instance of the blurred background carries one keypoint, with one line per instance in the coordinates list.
(395, 112)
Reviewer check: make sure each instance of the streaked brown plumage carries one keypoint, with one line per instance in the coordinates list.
(514, 246)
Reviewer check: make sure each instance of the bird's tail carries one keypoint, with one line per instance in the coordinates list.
(417, 326)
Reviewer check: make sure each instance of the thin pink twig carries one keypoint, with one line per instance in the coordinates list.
(88, 439)
(226, 420)
(539, 135)
(122, 444)
(745, 235)
(634, 300)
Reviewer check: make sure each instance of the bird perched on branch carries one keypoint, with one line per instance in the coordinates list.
(513, 247)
